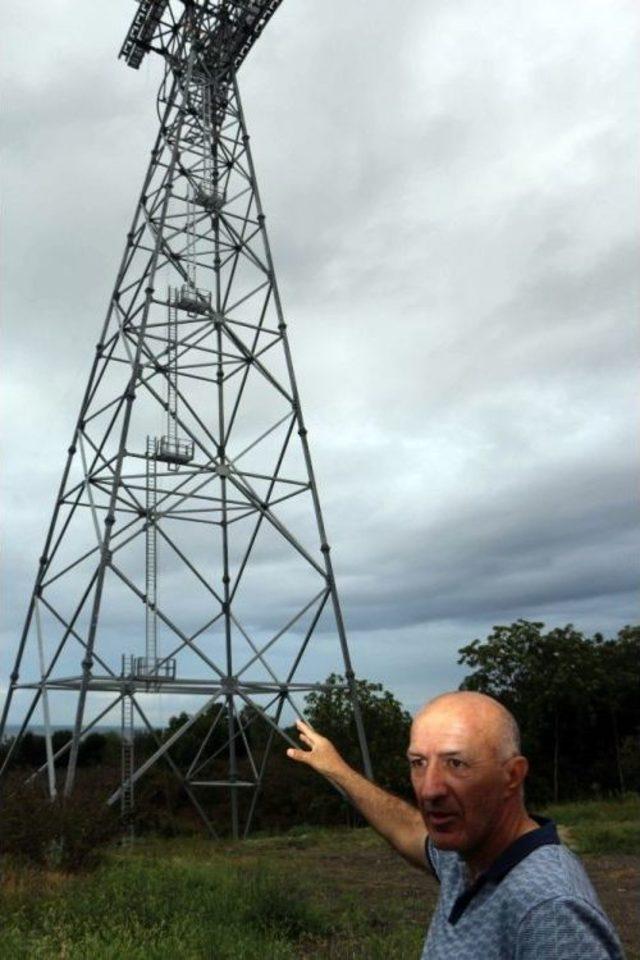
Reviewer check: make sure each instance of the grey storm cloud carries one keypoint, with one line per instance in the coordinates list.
(450, 195)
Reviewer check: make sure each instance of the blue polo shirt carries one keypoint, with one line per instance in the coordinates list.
(535, 902)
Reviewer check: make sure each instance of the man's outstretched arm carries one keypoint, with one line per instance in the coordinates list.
(396, 820)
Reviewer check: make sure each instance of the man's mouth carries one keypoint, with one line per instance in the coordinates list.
(439, 818)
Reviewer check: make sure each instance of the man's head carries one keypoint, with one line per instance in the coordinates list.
(466, 770)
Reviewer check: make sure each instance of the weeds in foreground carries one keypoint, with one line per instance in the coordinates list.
(155, 910)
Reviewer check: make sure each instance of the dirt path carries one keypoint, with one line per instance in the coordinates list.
(616, 877)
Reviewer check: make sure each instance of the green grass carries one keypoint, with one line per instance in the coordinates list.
(600, 826)
(147, 908)
(311, 894)
(153, 910)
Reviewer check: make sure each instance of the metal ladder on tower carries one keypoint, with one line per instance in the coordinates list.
(172, 380)
(127, 753)
(151, 560)
(171, 449)
(207, 193)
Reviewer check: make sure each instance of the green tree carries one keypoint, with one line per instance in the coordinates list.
(619, 690)
(572, 696)
(385, 720)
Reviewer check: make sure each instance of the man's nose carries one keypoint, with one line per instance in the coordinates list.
(431, 783)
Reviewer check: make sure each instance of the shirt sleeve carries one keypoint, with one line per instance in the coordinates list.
(564, 928)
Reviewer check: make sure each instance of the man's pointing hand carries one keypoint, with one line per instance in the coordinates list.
(321, 754)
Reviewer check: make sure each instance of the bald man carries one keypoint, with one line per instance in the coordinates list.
(509, 890)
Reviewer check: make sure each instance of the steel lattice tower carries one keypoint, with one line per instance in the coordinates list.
(188, 491)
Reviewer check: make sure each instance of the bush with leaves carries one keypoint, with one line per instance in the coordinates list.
(66, 833)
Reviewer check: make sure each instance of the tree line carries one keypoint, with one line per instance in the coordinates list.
(576, 699)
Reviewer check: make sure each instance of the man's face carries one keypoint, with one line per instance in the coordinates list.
(458, 776)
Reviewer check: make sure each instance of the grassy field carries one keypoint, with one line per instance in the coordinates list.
(601, 826)
(312, 893)
(187, 899)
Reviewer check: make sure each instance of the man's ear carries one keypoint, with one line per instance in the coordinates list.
(517, 769)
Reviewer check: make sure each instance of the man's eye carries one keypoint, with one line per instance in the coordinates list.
(416, 762)
(456, 763)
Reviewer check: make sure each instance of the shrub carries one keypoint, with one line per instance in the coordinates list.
(63, 834)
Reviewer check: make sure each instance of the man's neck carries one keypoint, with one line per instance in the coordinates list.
(513, 825)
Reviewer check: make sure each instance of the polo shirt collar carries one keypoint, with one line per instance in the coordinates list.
(545, 834)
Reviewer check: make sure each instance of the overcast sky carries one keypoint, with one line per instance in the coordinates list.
(452, 202)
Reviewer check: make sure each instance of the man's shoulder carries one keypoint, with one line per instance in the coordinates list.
(537, 908)
(570, 925)
(548, 898)
(549, 872)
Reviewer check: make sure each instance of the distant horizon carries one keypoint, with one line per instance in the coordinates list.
(13, 728)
